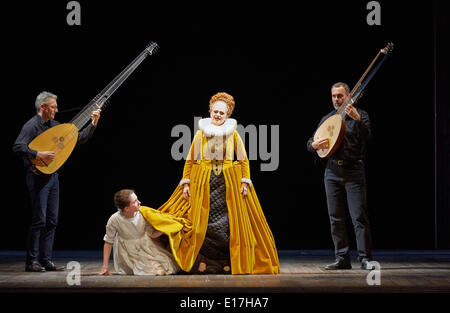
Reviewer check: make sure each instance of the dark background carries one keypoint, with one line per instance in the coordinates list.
(278, 60)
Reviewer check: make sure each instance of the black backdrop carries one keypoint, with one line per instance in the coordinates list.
(277, 60)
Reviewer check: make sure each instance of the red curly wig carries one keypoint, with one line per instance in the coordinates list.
(223, 96)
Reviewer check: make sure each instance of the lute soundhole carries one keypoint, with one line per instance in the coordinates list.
(330, 130)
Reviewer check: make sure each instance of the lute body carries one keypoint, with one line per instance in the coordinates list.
(60, 139)
(332, 128)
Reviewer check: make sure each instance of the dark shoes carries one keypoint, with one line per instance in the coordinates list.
(365, 264)
(340, 264)
(49, 267)
(34, 267)
(344, 264)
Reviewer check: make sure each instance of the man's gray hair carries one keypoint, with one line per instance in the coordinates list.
(44, 97)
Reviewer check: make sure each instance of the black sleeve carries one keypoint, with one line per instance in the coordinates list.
(311, 140)
(20, 146)
(364, 126)
(86, 133)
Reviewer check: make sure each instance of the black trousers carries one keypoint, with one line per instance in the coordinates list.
(44, 197)
(345, 187)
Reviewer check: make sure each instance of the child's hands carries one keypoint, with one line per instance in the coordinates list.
(156, 234)
(104, 271)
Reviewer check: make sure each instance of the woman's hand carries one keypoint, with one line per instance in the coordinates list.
(244, 189)
(186, 192)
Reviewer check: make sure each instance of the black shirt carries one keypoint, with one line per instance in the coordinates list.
(353, 146)
(33, 128)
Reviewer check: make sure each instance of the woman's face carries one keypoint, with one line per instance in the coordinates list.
(219, 113)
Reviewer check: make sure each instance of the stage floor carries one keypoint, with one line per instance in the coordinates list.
(301, 272)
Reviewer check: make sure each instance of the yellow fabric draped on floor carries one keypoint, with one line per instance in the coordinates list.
(252, 246)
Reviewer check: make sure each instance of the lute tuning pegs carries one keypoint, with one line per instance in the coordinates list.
(152, 47)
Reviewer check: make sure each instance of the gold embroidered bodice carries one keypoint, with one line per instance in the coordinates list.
(216, 148)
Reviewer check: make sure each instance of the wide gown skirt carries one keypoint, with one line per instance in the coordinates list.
(252, 246)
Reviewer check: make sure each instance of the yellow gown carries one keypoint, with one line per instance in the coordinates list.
(252, 246)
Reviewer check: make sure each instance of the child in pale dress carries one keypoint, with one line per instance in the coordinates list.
(137, 248)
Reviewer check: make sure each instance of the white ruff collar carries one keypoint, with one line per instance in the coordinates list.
(227, 128)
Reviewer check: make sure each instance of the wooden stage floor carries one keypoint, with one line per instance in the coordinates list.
(301, 272)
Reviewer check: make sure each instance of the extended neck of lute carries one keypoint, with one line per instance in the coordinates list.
(357, 90)
(84, 116)
(99, 101)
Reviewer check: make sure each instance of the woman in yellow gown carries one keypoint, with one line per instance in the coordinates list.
(214, 210)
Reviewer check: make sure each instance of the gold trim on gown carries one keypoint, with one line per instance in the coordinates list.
(252, 246)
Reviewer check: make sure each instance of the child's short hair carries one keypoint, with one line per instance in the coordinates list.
(122, 198)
